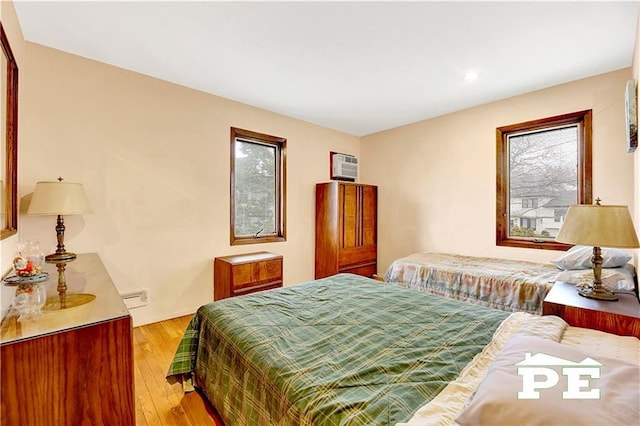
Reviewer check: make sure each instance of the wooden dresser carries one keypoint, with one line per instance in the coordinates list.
(620, 317)
(346, 229)
(246, 273)
(72, 366)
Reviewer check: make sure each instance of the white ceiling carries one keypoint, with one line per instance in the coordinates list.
(358, 67)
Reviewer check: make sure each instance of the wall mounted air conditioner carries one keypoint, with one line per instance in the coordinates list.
(344, 167)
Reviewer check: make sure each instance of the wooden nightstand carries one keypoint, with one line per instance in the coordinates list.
(621, 317)
(246, 273)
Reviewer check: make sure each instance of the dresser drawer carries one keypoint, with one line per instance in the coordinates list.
(246, 273)
(257, 273)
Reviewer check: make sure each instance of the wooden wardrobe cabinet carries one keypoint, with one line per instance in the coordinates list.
(346, 228)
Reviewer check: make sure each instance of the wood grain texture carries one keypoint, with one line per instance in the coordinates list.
(158, 402)
(246, 273)
(346, 229)
(94, 389)
(620, 317)
(77, 377)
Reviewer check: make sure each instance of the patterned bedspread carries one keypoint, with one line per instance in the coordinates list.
(343, 350)
(509, 285)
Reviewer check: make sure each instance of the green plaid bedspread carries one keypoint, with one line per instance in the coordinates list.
(344, 350)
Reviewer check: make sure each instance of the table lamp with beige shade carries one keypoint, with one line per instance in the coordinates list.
(598, 226)
(60, 198)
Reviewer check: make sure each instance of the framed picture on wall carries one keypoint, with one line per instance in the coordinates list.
(631, 115)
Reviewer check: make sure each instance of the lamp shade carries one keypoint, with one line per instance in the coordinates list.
(59, 198)
(599, 225)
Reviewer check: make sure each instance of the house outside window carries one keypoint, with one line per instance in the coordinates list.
(543, 167)
(559, 214)
(257, 187)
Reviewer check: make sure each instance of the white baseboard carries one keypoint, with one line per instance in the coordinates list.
(139, 319)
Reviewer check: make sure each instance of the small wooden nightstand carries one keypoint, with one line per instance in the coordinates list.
(246, 273)
(621, 317)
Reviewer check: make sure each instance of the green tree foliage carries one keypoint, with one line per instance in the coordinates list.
(255, 175)
(518, 231)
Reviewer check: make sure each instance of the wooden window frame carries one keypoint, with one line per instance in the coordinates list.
(585, 192)
(280, 144)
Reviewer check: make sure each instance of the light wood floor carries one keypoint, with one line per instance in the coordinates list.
(158, 402)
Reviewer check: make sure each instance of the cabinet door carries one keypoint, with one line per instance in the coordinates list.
(358, 220)
(350, 215)
(269, 271)
(358, 229)
(369, 216)
(250, 277)
(242, 276)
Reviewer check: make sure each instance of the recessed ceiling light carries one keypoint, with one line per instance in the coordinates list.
(471, 75)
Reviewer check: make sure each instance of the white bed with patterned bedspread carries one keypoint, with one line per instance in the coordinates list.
(508, 285)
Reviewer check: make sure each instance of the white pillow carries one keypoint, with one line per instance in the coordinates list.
(496, 399)
(579, 257)
(613, 279)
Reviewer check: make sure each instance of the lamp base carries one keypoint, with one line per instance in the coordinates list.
(60, 257)
(597, 293)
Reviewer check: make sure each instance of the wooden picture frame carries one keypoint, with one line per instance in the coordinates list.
(9, 140)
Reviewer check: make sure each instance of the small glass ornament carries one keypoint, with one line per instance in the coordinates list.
(29, 261)
(30, 250)
(31, 294)
(29, 300)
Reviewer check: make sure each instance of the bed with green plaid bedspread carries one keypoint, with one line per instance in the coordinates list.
(343, 350)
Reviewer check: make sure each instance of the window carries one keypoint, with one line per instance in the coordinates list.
(543, 167)
(559, 214)
(257, 187)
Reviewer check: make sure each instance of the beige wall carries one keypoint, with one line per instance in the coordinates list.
(154, 159)
(437, 178)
